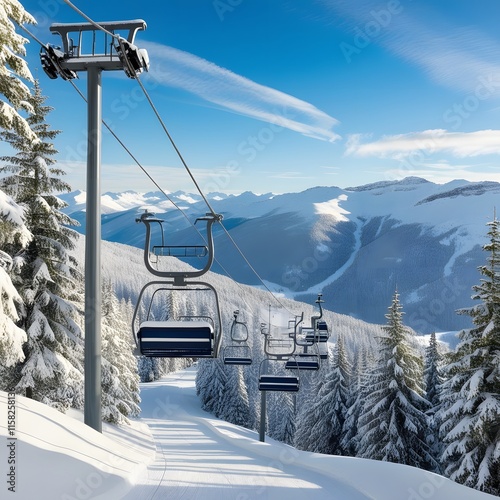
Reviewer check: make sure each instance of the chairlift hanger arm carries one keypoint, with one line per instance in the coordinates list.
(319, 301)
(179, 276)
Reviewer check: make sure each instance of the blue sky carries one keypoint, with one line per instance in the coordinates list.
(283, 95)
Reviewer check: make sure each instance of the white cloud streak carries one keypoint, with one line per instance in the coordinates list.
(176, 68)
(452, 56)
(460, 144)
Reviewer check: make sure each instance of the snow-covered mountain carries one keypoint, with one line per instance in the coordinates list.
(356, 245)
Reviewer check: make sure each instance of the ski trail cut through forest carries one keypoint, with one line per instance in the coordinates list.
(201, 458)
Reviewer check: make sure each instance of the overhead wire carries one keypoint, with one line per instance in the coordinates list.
(153, 107)
(98, 26)
(203, 195)
(178, 208)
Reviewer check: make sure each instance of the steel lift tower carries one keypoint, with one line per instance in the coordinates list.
(94, 48)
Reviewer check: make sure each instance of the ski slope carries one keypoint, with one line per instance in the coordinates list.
(184, 453)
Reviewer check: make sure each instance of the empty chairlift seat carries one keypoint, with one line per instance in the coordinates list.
(303, 362)
(171, 339)
(237, 355)
(231, 360)
(320, 334)
(239, 352)
(278, 383)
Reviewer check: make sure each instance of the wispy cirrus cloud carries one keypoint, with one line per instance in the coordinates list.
(451, 55)
(180, 69)
(459, 144)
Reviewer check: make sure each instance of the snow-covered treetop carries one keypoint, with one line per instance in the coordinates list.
(14, 69)
(11, 212)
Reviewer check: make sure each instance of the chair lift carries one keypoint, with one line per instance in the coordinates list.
(269, 379)
(319, 329)
(190, 335)
(238, 352)
(304, 360)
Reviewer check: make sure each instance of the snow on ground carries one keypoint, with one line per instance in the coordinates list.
(197, 457)
(56, 456)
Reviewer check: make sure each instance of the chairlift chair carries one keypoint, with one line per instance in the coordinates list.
(323, 350)
(190, 336)
(304, 361)
(272, 381)
(319, 324)
(238, 352)
(237, 355)
(277, 346)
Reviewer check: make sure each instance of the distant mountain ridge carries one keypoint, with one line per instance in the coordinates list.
(356, 245)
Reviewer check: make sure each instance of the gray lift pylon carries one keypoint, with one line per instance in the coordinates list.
(116, 53)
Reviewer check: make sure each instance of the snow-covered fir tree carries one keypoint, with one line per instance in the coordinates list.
(325, 420)
(307, 415)
(12, 337)
(14, 71)
(393, 423)
(356, 396)
(211, 382)
(47, 276)
(235, 407)
(432, 372)
(13, 234)
(120, 380)
(283, 428)
(471, 394)
(145, 369)
(433, 381)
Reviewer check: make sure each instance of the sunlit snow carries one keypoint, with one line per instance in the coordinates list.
(178, 451)
(333, 208)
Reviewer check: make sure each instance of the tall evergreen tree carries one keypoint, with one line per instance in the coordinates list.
(471, 393)
(332, 404)
(13, 233)
(433, 381)
(235, 407)
(120, 380)
(356, 397)
(211, 382)
(145, 369)
(393, 423)
(284, 426)
(320, 423)
(432, 373)
(13, 70)
(48, 279)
